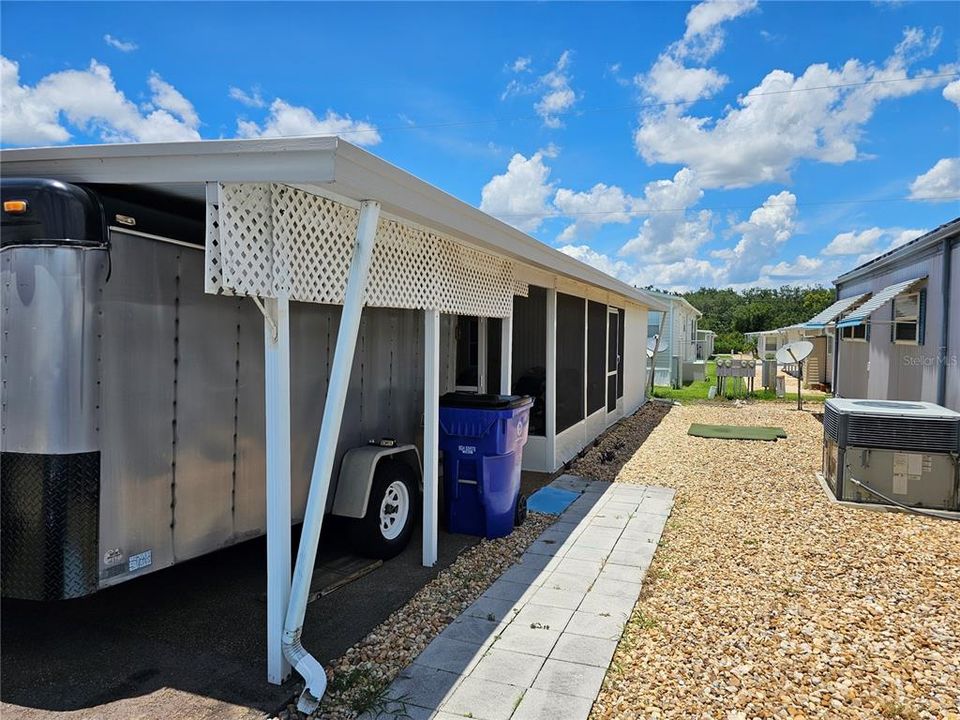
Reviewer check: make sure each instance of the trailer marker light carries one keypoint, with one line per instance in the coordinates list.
(15, 207)
(126, 220)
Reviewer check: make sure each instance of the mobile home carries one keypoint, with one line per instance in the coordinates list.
(679, 356)
(900, 336)
(199, 340)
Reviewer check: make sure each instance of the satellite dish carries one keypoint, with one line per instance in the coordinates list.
(652, 345)
(794, 352)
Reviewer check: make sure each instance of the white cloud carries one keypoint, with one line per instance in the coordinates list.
(749, 263)
(680, 276)
(286, 120)
(801, 267)
(90, 101)
(895, 238)
(868, 244)
(121, 45)
(761, 236)
(558, 97)
(854, 243)
(786, 118)
(521, 195)
(952, 92)
(619, 269)
(668, 233)
(521, 64)
(598, 206)
(938, 184)
(707, 16)
(251, 99)
(167, 97)
(669, 81)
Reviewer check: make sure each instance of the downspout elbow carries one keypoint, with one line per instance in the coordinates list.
(314, 676)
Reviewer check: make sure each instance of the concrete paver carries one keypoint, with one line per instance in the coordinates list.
(537, 644)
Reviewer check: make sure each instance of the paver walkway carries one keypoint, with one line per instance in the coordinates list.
(538, 642)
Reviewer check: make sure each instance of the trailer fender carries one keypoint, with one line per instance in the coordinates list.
(356, 475)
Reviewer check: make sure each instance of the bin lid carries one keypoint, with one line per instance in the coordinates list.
(484, 401)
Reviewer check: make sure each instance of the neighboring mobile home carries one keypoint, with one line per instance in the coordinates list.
(901, 337)
(155, 370)
(818, 368)
(678, 360)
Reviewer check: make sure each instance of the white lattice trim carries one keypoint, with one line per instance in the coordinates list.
(268, 240)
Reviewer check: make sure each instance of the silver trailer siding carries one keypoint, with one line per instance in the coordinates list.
(121, 356)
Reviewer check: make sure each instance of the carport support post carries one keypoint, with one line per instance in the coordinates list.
(506, 355)
(315, 678)
(276, 346)
(550, 411)
(431, 432)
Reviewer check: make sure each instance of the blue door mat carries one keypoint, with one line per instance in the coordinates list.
(551, 500)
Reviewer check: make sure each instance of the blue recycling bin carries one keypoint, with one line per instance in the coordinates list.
(482, 439)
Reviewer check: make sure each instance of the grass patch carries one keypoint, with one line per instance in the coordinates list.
(699, 389)
(363, 692)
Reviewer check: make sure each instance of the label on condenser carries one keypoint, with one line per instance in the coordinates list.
(140, 560)
(467, 449)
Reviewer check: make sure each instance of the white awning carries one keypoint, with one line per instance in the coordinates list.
(825, 317)
(863, 313)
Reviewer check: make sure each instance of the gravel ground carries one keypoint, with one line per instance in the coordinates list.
(765, 600)
(359, 678)
(618, 444)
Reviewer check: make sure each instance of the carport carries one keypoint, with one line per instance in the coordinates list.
(320, 221)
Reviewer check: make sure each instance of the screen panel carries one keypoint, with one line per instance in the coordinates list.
(596, 356)
(529, 368)
(493, 355)
(571, 326)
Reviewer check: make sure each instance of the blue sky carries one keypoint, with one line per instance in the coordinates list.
(673, 144)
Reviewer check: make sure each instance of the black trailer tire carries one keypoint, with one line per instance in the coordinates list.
(520, 512)
(384, 531)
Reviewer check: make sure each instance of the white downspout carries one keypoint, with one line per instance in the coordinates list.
(314, 676)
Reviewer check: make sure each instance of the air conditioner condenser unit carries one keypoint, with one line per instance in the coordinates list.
(907, 451)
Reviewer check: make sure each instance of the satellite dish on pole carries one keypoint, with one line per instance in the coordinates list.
(796, 352)
(652, 345)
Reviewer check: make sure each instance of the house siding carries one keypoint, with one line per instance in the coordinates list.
(882, 369)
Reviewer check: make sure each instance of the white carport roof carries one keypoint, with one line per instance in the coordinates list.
(331, 163)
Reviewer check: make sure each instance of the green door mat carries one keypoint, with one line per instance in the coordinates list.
(737, 432)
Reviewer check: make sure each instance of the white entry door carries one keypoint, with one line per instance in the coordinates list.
(614, 356)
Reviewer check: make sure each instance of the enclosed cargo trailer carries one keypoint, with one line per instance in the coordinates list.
(133, 401)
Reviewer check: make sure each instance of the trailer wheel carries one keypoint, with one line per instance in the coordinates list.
(520, 512)
(387, 526)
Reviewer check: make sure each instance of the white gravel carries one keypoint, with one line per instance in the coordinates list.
(765, 600)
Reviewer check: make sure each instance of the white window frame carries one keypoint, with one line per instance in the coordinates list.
(915, 319)
(851, 328)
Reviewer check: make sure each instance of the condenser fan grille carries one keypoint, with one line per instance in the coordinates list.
(898, 433)
(831, 423)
